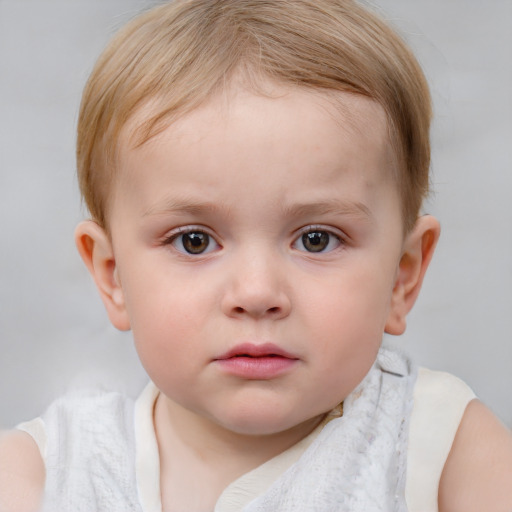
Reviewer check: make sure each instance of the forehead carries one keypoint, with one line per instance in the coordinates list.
(354, 113)
(277, 127)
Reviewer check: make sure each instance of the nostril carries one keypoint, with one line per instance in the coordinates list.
(272, 311)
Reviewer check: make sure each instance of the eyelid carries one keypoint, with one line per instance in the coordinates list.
(170, 238)
(319, 227)
(311, 228)
(181, 230)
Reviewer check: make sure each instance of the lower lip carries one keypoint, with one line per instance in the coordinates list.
(257, 368)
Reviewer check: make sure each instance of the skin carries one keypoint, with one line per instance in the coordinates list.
(251, 177)
(255, 282)
(22, 473)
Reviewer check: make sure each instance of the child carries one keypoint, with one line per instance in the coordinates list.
(254, 171)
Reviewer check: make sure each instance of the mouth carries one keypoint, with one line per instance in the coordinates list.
(256, 362)
(250, 350)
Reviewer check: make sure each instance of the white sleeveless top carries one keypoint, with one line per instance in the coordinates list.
(439, 401)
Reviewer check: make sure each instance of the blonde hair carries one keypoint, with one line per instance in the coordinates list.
(179, 54)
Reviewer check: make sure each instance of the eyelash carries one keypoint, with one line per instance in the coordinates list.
(315, 230)
(318, 235)
(176, 238)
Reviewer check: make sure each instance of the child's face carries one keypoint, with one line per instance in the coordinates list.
(267, 227)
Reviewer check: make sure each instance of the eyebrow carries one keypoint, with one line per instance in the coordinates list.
(331, 207)
(184, 206)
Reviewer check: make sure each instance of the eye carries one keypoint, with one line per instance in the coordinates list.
(317, 240)
(193, 242)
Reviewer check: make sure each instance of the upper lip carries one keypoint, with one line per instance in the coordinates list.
(255, 350)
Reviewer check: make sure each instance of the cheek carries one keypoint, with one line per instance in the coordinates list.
(354, 303)
(167, 343)
(347, 321)
(164, 316)
(163, 296)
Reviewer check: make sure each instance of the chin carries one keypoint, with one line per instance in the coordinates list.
(252, 425)
(265, 423)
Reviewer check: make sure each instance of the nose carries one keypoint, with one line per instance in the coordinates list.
(257, 288)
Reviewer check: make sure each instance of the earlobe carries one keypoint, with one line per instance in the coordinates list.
(417, 253)
(95, 248)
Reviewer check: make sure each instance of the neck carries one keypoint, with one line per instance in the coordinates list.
(195, 449)
(213, 443)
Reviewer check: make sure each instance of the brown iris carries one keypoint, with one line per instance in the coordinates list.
(315, 241)
(195, 242)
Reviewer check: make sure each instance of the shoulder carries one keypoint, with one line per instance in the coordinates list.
(438, 386)
(82, 440)
(90, 412)
(22, 472)
(478, 472)
(440, 400)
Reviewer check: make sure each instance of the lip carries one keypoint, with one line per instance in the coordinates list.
(255, 350)
(256, 361)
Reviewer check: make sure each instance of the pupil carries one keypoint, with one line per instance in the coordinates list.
(315, 241)
(195, 243)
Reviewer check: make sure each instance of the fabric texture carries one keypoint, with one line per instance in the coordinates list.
(439, 399)
(90, 454)
(356, 463)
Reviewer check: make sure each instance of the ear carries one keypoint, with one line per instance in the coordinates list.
(417, 252)
(95, 248)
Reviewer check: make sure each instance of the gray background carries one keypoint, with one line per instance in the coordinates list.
(54, 333)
